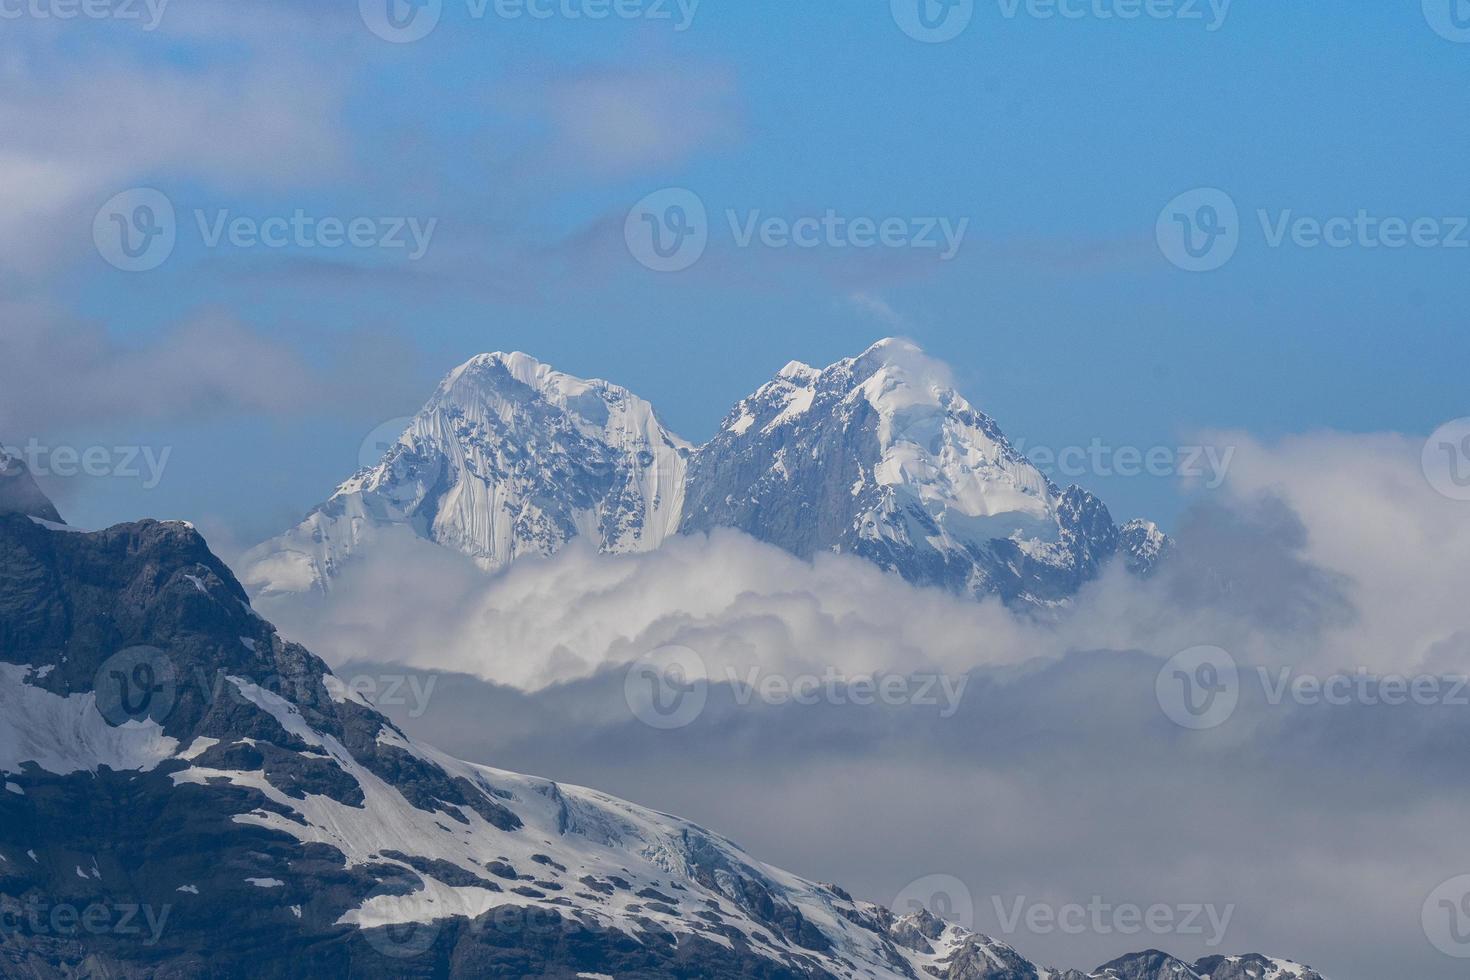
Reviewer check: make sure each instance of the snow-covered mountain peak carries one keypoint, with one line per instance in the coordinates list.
(500, 380)
(803, 374)
(509, 457)
(876, 455)
(19, 493)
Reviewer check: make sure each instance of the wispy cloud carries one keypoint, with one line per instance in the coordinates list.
(618, 122)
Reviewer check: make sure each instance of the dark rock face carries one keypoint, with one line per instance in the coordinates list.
(185, 794)
(137, 872)
(1148, 965)
(19, 493)
(1252, 966)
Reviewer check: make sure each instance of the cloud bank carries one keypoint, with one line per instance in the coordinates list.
(1060, 779)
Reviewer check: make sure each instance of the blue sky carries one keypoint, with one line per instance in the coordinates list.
(527, 142)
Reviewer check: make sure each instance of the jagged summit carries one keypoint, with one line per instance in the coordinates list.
(877, 455)
(508, 458)
(19, 493)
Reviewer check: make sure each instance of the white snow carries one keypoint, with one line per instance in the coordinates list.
(340, 692)
(68, 734)
(798, 403)
(13, 788)
(198, 747)
(581, 830)
(188, 889)
(266, 882)
(486, 457)
(53, 526)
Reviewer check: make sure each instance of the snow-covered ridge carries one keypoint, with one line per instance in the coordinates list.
(508, 458)
(68, 734)
(877, 455)
(880, 456)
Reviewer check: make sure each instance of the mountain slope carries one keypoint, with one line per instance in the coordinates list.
(509, 458)
(213, 802)
(1155, 965)
(19, 493)
(878, 456)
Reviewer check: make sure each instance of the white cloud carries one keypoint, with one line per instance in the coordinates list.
(1364, 573)
(80, 129)
(621, 122)
(1060, 778)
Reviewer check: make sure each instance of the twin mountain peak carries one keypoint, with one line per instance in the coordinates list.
(876, 456)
